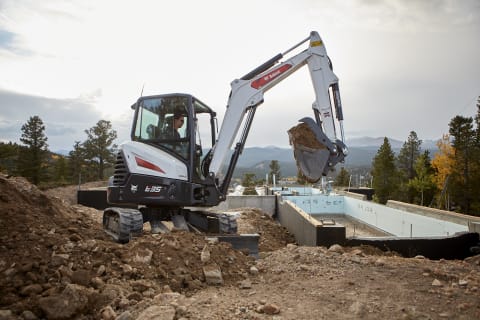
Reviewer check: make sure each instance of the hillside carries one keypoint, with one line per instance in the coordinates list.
(361, 153)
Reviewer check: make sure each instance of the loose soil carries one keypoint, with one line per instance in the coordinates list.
(302, 134)
(57, 263)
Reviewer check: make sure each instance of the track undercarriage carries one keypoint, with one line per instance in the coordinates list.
(124, 223)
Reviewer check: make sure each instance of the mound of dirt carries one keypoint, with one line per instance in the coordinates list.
(56, 261)
(301, 134)
(273, 236)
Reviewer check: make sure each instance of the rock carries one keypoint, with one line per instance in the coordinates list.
(157, 313)
(143, 255)
(357, 308)
(59, 259)
(107, 313)
(245, 284)
(28, 315)
(26, 267)
(213, 274)
(436, 283)
(97, 283)
(141, 285)
(271, 308)
(31, 290)
(462, 282)
(6, 315)
(205, 255)
(253, 270)
(125, 316)
(73, 300)
(336, 248)
(380, 262)
(65, 271)
(10, 272)
(356, 252)
(81, 277)
(101, 270)
(127, 270)
(149, 293)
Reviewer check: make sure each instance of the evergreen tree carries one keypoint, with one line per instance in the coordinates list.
(99, 148)
(34, 155)
(406, 159)
(384, 172)
(76, 162)
(343, 178)
(423, 182)
(9, 157)
(248, 182)
(60, 169)
(274, 170)
(466, 160)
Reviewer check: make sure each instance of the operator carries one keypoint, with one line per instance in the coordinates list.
(178, 120)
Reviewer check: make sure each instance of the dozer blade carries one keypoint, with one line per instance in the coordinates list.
(311, 149)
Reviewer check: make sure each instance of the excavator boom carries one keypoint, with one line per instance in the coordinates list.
(247, 93)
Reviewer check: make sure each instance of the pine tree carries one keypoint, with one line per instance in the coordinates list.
(384, 172)
(33, 157)
(99, 148)
(343, 178)
(423, 182)
(466, 160)
(274, 170)
(406, 159)
(248, 182)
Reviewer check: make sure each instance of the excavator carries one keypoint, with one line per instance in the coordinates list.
(176, 162)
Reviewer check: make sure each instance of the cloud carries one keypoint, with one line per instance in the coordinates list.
(403, 64)
(65, 119)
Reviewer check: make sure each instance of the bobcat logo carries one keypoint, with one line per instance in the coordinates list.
(133, 188)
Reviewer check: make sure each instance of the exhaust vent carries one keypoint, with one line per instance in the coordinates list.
(121, 170)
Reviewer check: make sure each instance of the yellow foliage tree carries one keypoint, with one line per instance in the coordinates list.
(443, 161)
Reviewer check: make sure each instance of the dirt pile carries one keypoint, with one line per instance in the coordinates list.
(56, 261)
(273, 236)
(301, 134)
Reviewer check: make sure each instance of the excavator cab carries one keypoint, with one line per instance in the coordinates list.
(178, 124)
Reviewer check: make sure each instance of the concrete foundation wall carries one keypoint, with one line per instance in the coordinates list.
(453, 217)
(266, 203)
(297, 222)
(307, 230)
(319, 203)
(398, 222)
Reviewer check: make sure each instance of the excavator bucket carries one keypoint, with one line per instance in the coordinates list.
(311, 149)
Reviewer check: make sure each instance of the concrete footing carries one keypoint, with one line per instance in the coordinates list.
(452, 247)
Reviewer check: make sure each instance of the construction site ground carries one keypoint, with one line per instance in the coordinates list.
(57, 263)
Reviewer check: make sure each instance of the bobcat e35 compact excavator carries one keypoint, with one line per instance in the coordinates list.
(175, 159)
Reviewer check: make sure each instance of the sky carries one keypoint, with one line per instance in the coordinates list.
(403, 65)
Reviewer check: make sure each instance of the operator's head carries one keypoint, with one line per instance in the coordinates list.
(178, 120)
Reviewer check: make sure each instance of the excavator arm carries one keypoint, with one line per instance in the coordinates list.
(247, 94)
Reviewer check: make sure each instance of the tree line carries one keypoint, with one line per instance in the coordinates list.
(89, 160)
(449, 180)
